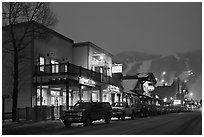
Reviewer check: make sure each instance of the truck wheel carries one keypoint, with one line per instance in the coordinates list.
(67, 124)
(141, 114)
(133, 115)
(108, 119)
(87, 121)
(123, 116)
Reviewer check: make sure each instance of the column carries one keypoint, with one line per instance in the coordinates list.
(100, 94)
(67, 94)
(72, 98)
(90, 94)
(80, 93)
(36, 96)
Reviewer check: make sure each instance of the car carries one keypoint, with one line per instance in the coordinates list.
(86, 113)
(122, 109)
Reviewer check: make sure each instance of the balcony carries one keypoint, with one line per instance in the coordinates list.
(66, 69)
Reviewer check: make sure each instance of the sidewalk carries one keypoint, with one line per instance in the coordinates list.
(10, 128)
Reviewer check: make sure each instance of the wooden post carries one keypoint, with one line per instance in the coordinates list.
(27, 113)
(90, 94)
(80, 93)
(100, 94)
(67, 94)
(17, 114)
(3, 108)
(52, 113)
(61, 109)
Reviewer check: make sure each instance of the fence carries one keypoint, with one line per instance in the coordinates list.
(36, 113)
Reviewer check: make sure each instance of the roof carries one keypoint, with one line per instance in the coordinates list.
(88, 43)
(41, 26)
(165, 91)
(143, 76)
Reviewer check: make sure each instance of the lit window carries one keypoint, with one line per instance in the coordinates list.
(42, 62)
(55, 67)
(65, 68)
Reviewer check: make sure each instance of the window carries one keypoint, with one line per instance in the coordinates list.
(65, 68)
(42, 62)
(55, 67)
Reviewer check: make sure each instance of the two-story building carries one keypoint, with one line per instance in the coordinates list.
(92, 57)
(53, 70)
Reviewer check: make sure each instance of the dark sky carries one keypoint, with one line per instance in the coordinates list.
(156, 28)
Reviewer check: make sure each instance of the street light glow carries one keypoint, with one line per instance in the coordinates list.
(164, 73)
(101, 57)
(156, 78)
(191, 73)
(165, 99)
(191, 94)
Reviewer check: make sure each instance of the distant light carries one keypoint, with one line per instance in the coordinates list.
(171, 98)
(156, 78)
(162, 80)
(185, 81)
(101, 57)
(166, 84)
(191, 73)
(165, 99)
(191, 94)
(164, 73)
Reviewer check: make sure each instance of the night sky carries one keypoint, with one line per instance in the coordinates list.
(153, 28)
(156, 28)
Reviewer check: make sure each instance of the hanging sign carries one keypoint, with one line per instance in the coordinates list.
(88, 82)
(117, 68)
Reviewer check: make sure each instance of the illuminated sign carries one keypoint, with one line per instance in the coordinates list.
(117, 68)
(98, 60)
(142, 75)
(87, 82)
(148, 88)
(177, 102)
(114, 88)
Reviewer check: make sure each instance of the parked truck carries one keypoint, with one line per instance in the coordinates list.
(121, 109)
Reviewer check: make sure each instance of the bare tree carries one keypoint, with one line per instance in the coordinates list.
(14, 13)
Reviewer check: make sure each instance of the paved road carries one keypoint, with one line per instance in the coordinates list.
(188, 123)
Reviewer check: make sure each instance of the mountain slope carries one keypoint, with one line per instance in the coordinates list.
(174, 65)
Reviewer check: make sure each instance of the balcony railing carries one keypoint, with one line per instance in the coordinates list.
(74, 70)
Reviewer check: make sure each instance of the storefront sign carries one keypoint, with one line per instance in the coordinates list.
(98, 60)
(114, 88)
(177, 102)
(87, 82)
(117, 68)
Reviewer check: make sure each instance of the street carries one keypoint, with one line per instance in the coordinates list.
(187, 123)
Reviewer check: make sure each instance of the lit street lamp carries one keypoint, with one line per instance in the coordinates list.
(165, 99)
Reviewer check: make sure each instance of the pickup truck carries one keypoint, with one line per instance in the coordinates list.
(121, 110)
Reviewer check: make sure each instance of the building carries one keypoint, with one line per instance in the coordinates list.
(168, 93)
(139, 84)
(97, 59)
(55, 71)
